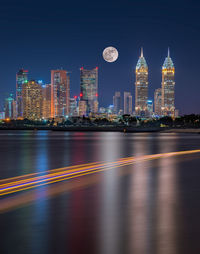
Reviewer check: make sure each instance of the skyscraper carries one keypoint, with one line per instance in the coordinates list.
(21, 78)
(82, 106)
(117, 102)
(89, 89)
(73, 106)
(46, 101)
(32, 100)
(127, 103)
(150, 108)
(168, 87)
(158, 101)
(141, 86)
(10, 107)
(60, 92)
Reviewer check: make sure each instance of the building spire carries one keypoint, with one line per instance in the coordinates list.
(168, 52)
(168, 63)
(141, 51)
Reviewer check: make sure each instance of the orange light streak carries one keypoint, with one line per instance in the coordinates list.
(14, 185)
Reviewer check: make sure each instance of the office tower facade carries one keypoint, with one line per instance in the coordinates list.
(21, 78)
(141, 86)
(82, 107)
(2, 115)
(89, 89)
(10, 107)
(158, 101)
(73, 107)
(102, 110)
(32, 100)
(150, 108)
(117, 103)
(60, 93)
(127, 103)
(110, 109)
(46, 101)
(168, 87)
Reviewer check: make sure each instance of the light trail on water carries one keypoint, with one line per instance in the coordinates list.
(34, 180)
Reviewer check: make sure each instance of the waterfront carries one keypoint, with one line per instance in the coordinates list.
(149, 207)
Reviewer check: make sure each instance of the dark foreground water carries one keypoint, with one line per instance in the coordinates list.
(151, 207)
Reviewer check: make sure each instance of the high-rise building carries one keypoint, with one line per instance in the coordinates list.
(117, 102)
(82, 108)
(2, 115)
(127, 103)
(102, 110)
(73, 107)
(60, 93)
(158, 101)
(110, 109)
(89, 89)
(32, 100)
(10, 107)
(150, 108)
(176, 113)
(168, 87)
(141, 86)
(46, 101)
(21, 78)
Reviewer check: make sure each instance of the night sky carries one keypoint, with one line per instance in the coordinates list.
(44, 35)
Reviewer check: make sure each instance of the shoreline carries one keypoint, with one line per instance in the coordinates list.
(124, 129)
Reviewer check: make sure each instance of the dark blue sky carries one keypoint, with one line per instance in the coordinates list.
(44, 35)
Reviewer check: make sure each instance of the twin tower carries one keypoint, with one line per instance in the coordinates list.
(166, 106)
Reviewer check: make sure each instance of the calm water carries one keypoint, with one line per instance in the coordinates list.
(147, 208)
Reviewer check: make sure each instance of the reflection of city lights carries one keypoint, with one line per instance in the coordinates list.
(24, 182)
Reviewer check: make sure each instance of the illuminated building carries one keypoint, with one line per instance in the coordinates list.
(60, 92)
(73, 106)
(176, 113)
(82, 108)
(46, 101)
(21, 78)
(141, 87)
(10, 107)
(127, 103)
(32, 100)
(2, 115)
(168, 86)
(110, 109)
(89, 89)
(150, 108)
(95, 106)
(102, 110)
(117, 102)
(158, 101)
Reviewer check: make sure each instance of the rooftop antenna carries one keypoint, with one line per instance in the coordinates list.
(141, 51)
(168, 52)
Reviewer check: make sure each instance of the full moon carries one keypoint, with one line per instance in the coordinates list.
(110, 54)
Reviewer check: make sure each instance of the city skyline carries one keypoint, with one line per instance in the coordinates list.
(56, 95)
(22, 76)
(99, 127)
(87, 31)
(75, 88)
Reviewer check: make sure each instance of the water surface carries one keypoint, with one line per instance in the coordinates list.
(149, 207)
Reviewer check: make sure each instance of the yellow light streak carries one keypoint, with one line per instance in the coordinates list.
(46, 171)
(57, 175)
